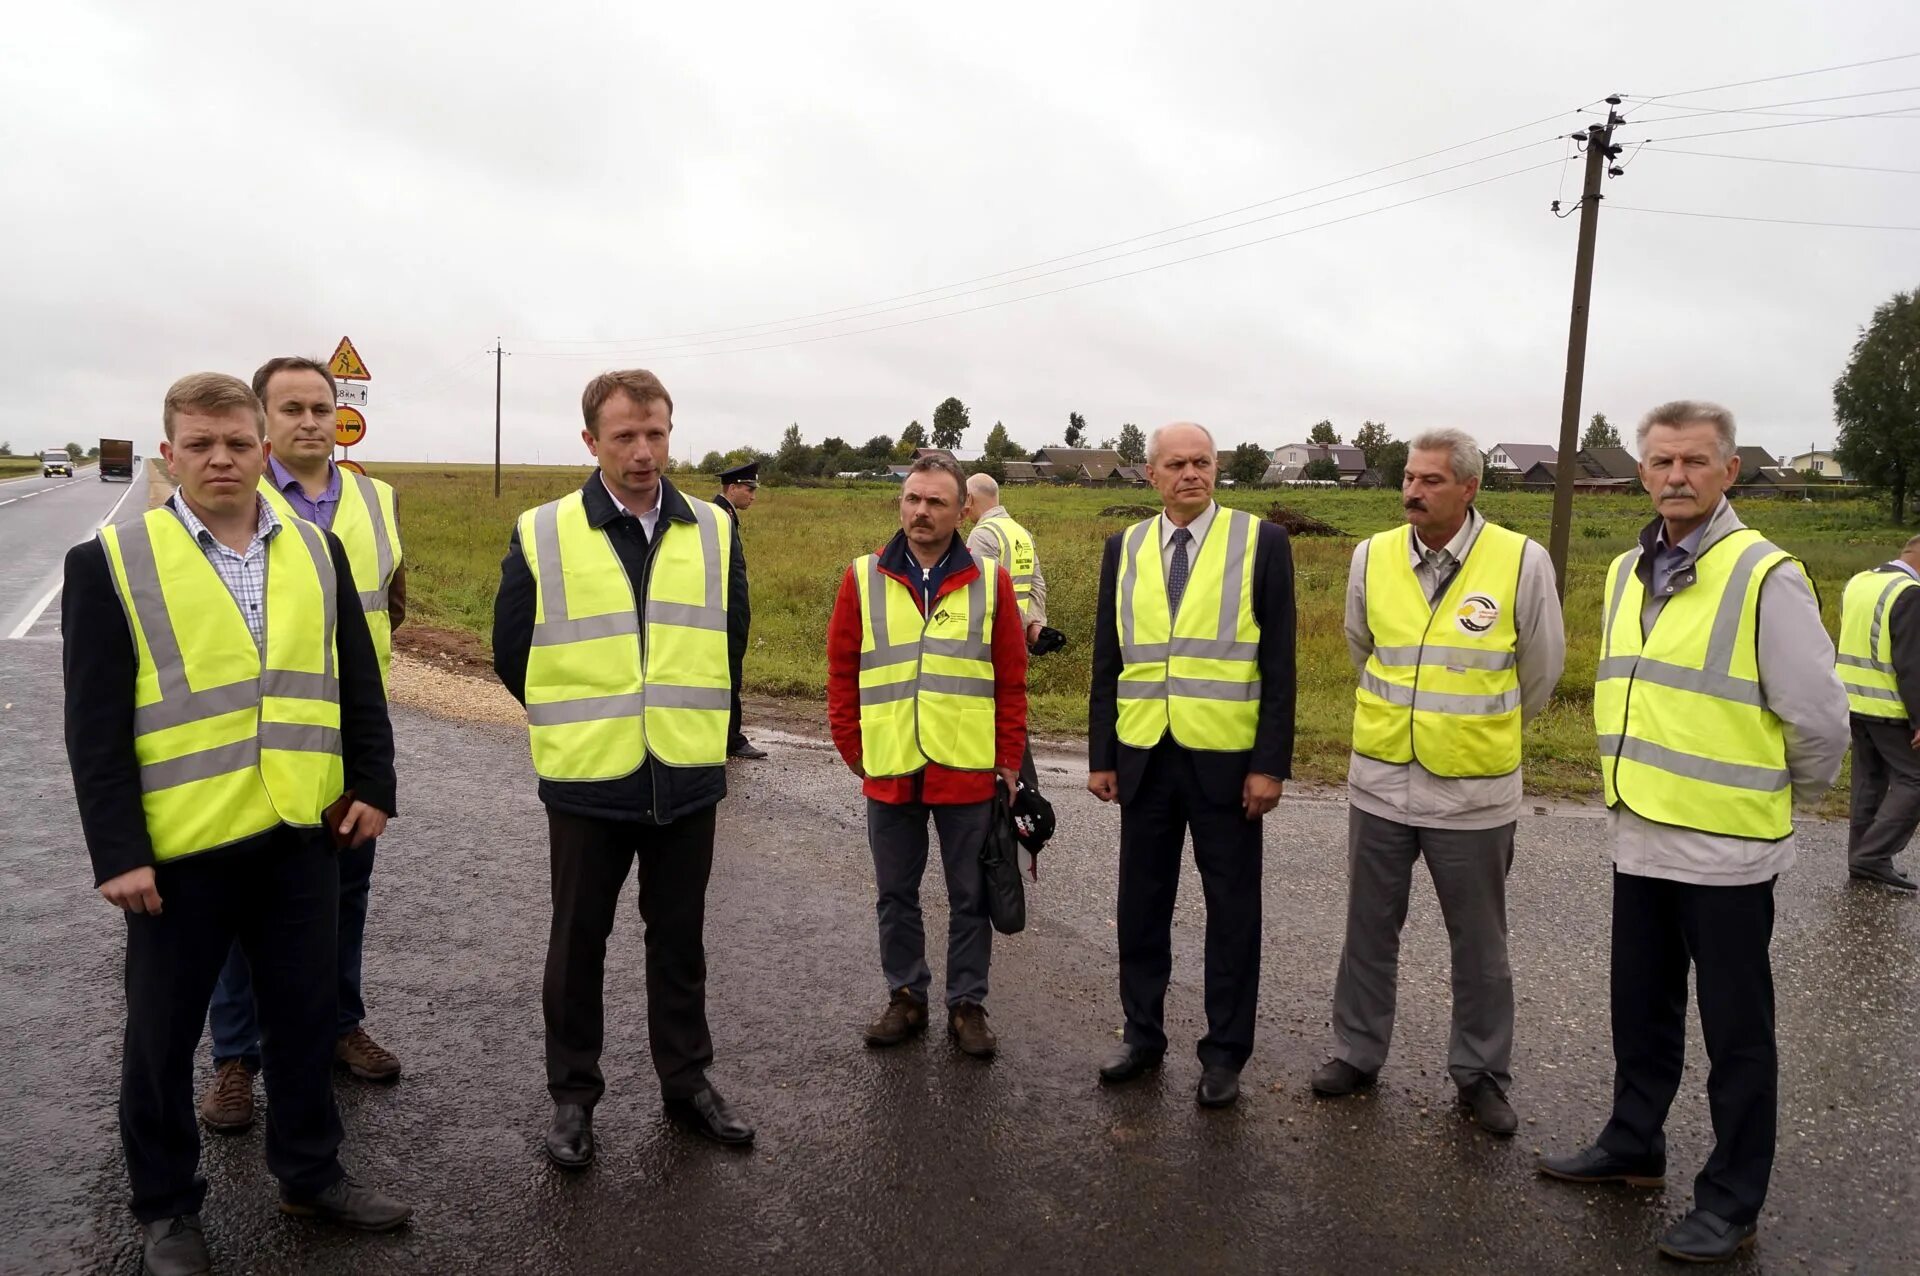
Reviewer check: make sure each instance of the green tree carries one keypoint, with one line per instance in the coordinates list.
(1001, 447)
(1321, 469)
(93, 453)
(6, 449)
(75, 452)
(1877, 401)
(1373, 436)
(712, 463)
(1247, 464)
(878, 449)
(950, 423)
(1391, 462)
(912, 439)
(1076, 430)
(1599, 433)
(1133, 444)
(1323, 433)
(794, 456)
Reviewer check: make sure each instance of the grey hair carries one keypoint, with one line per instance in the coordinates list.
(1682, 412)
(934, 463)
(1911, 546)
(1462, 452)
(1153, 440)
(984, 486)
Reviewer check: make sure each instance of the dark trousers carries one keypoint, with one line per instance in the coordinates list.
(1659, 927)
(735, 736)
(278, 900)
(591, 859)
(232, 1021)
(1227, 849)
(897, 835)
(1886, 793)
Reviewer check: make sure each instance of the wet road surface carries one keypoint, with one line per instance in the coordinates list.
(919, 1159)
(39, 519)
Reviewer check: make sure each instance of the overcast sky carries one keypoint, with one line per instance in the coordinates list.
(593, 181)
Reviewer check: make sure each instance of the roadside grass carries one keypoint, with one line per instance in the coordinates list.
(799, 540)
(18, 466)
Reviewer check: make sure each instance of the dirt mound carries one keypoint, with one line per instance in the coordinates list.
(1298, 524)
(1129, 511)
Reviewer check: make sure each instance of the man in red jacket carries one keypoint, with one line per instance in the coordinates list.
(927, 698)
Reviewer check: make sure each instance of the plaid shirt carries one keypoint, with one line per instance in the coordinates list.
(245, 574)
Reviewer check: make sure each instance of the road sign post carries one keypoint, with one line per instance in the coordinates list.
(350, 395)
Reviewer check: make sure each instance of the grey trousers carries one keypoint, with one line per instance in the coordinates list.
(1886, 794)
(1469, 869)
(897, 834)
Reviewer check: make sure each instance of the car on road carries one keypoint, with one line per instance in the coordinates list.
(56, 461)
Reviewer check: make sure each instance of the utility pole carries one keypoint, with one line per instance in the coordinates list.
(498, 354)
(1600, 154)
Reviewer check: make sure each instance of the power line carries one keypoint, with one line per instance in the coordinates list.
(1791, 75)
(746, 329)
(1659, 149)
(1757, 108)
(1760, 128)
(1047, 274)
(1088, 283)
(1777, 221)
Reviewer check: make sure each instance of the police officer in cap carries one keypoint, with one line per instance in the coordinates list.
(737, 488)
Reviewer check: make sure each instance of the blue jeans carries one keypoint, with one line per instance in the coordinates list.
(231, 1018)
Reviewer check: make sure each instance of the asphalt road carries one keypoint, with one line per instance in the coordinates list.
(39, 519)
(919, 1159)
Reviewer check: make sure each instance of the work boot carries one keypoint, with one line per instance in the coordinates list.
(904, 1016)
(1491, 1111)
(174, 1247)
(351, 1205)
(227, 1106)
(366, 1058)
(967, 1025)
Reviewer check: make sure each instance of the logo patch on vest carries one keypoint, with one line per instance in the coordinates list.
(1476, 614)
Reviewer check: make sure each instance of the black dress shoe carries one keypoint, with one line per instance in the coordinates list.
(570, 1137)
(1491, 1111)
(351, 1204)
(1596, 1165)
(708, 1115)
(746, 750)
(1705, 1237)
(174, 1247)
(1893, 879)
(1336, 1078)
(1219, 1086)
(1130, 1063)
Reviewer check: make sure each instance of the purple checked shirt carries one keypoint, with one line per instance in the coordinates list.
(319, 511)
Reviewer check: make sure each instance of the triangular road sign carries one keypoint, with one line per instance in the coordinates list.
(346, 363)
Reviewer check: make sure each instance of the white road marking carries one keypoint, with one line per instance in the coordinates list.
(38, 609)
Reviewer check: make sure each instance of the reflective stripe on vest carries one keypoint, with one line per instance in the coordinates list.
(1443, 684)
(1017, 554)
(369, 530)
(1196, 674)
(593, 712)
(231, 741)
(1685, 734)
(1865, 656)
(926, 682)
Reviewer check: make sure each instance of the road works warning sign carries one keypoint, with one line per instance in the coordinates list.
(346, 363)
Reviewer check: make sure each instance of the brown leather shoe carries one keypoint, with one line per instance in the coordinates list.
(967, 1025)
(904, 1016)
(365, 1057)
(227, 1106)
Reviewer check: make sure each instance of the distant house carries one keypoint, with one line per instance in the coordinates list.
(1077, 464)
(1021, 471)
(1601, 469)
(1521, 457)
(1609, 462)
(1134, 475)
(1778, 479)
(898, 473)
(1753, 460)
(960, 456)
(1351, 461)
(1819, 465)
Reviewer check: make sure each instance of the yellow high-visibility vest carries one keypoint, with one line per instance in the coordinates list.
(594, 712)
(369, 531)
(1686, 737)
(1018, 556)
(926, 682)
(1865, 655)
(232, 740)
(1443, 683)
(1196, 674)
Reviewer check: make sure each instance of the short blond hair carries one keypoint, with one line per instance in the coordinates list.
(211, 394)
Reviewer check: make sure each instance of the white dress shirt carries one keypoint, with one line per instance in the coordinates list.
(649, 519)
(1198, 527)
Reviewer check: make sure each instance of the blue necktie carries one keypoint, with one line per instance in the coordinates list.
(1177, 574)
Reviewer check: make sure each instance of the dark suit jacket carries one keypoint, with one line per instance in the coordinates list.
(100, 667)
(1221, 774)
(739, 604)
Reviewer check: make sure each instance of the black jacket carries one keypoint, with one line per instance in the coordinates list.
(1904, 617)
(657, 794)
(739, 604)
(100, 664)
(1221, 774)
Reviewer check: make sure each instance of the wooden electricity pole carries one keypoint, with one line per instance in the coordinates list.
(498, 354)
(1600, 154)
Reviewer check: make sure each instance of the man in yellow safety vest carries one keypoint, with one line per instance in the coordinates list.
(1879, 664)
(302, 481)
(997, 536)
(226, 727)
(611, 627)
(1453, 623)
(1716, 706)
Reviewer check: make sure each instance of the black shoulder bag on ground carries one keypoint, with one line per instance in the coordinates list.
(1000, 861)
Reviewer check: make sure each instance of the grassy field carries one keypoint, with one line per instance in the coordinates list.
(19, 466)
(799, 541)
